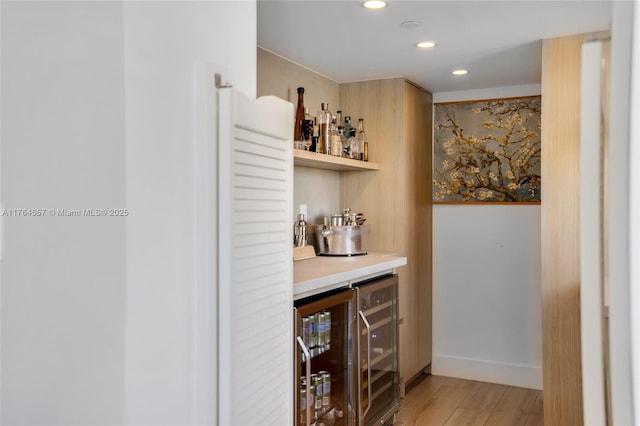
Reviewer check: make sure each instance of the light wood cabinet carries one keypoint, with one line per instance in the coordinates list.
(397, 198)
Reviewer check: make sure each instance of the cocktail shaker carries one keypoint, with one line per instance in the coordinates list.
(300, 232)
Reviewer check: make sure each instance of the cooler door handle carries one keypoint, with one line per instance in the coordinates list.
(366, 324)
(307, 357)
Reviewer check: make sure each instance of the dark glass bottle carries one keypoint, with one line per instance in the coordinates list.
(315, 138)
(298, 127)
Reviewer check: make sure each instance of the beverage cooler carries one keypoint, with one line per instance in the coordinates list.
(325, 375)
(347, 356)
(379, 376)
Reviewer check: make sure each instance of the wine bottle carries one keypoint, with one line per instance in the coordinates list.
(298, 128)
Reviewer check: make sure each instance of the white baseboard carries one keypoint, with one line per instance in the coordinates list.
(525, 376)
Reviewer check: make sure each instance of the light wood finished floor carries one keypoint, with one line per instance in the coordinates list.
(438, 400)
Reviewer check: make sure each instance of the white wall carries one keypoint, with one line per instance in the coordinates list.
(634, 213)
(319, 190)
(161, 300)
(63, 278)
(98, 314)
(486, 283)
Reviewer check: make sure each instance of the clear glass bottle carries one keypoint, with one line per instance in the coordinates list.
(339, 121)
(324, 118)
(298, 126)
(344, 143)
(336, 142)
(354, 152)
(363, 143)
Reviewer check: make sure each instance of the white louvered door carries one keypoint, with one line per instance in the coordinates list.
(255, 282)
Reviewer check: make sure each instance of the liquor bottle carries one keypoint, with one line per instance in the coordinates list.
(347, 126)
(315, 138)
(336, 142)
(308, 121)
(344, 143)
(307, 129)
(324, 116)
(354, 151)
(339, 121)
(363, 144)
(298, 128)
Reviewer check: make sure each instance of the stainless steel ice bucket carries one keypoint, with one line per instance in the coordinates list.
(342, 240)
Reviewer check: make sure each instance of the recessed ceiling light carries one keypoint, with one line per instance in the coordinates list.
(375, 4)
(407, 25)
(459, 72)
(426, 44)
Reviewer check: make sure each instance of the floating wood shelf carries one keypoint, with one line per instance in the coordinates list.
(329, 162)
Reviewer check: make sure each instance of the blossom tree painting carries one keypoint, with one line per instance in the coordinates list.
(487, 151)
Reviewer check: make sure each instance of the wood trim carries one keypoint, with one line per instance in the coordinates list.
(486, 100)
(493, 203)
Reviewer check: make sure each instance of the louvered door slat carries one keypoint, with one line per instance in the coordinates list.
(255, 252)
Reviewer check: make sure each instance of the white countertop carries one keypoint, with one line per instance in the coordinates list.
(324, 273)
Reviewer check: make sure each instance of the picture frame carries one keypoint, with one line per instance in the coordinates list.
(487, 151)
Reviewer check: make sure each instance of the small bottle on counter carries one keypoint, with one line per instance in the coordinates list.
(300, 232)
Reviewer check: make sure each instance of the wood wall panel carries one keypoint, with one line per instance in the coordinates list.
(560, 257)
(280, 77)
(397, 199)
(317, 189)
(378, 194)
(418, 118)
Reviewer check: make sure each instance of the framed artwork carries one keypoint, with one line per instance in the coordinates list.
(487, 151)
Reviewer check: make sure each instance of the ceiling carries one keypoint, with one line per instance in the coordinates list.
(499, 42)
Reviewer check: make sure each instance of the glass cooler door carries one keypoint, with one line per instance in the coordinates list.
(325, 351)
(378, 368)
